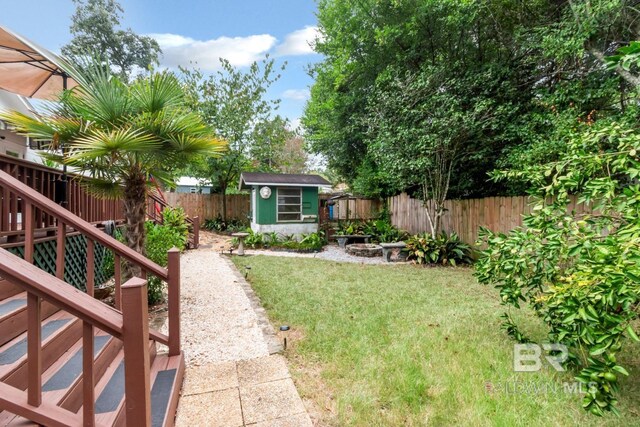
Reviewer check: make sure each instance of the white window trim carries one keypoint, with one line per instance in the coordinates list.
(278, 205)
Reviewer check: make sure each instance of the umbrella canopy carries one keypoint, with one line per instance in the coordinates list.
(30, 70)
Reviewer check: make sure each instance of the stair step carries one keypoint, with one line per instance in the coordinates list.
(109, 406)
(13, 316)
(11, 304)
(18, 350)
(72, 369)
(8, 290)
(58, 332)
(166, 382)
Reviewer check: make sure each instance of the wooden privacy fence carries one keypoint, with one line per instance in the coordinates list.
(465, 217)
(356, 208)
(208, 206)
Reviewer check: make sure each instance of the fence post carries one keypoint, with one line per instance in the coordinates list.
(173, 282)
(135, 337)
(196, 232)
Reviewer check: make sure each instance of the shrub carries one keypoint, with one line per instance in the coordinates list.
(381, 230)
(176, 219)
(444, 249)
(220, 225)
(579, 273)
(313, 241)
(160, 238)
(308, 242)
(351, 228)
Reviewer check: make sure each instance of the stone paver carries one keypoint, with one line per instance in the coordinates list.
(215, 409)
(269, 401)
(300, 420)
(262, 370)
(211, 377)
(241, 384)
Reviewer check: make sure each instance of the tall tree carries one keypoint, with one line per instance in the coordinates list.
(121, 135)
(95, 29)
(234, 103)
(533, 67)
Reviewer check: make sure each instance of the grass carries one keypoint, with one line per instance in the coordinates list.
(410, 346)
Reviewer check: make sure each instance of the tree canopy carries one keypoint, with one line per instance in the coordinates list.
(94, 27)
(234, 102)
(491, 84)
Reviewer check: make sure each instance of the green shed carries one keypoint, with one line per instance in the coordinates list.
(283, 203)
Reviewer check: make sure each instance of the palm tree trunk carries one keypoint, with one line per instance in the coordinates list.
(135, 197)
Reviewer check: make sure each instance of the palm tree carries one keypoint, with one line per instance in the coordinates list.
(121, 135)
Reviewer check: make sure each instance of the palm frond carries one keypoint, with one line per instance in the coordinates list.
(28, 126)
(189, 145)
(118, 142)
(103, 189)
(159, 92)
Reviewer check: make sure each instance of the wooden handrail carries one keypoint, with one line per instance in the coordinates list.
(81, 225)
(38, 282)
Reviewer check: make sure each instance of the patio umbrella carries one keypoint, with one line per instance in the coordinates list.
(35, 72)
(29, 69)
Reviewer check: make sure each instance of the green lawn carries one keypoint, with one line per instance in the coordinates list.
(403, 345)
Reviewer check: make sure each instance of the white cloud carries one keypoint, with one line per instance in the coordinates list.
(239, 51)
(296, 94)
(294, 124)
(299, 42)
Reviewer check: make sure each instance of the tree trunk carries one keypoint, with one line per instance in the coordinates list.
(135, 197)
(223, 188)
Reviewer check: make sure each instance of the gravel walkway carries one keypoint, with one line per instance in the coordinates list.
(217, 319)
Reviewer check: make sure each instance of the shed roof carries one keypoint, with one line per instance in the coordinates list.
(282, 180)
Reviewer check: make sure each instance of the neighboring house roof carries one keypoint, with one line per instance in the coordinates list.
(188, 181)
(12, 102)
(282, 180)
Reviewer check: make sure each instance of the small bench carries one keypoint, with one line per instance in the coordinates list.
(344, 238)
(389, 249)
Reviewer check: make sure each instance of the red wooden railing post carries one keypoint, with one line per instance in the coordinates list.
(60, 242)
(27, 224)
(196, 232)
(91, 261)
(173, 283)
(88, 395)
(117, 277)
(135, 336)
(34, 350)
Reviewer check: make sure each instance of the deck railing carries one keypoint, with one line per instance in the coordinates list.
(47, 182)
(128, 321)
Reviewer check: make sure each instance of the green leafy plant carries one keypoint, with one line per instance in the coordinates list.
(160, 238)
(443, 249)
(176, 218)
(381, 230)
(221, 225)
(579, 273)
(350, 228)
(271, 238)
(308, 242)
(313, 241)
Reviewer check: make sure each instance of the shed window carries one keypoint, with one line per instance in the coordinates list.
(289, 204)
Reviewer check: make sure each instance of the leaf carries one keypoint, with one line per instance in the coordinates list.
(632, 334)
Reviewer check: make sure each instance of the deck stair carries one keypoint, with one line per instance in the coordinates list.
(68, 359)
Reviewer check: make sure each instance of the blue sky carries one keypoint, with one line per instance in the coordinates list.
(240, 30)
